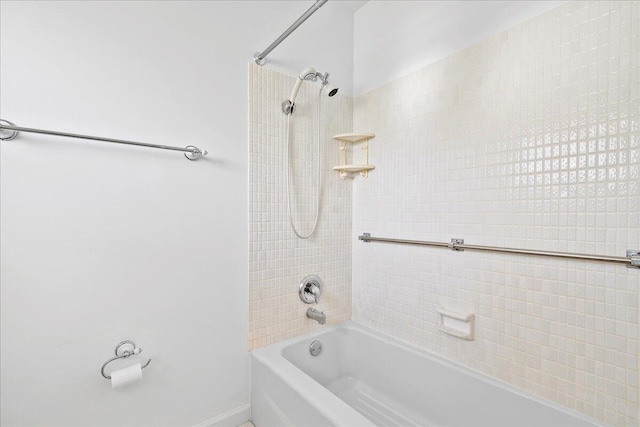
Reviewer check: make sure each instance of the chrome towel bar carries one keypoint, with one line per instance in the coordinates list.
(190, 152)
(632, 260)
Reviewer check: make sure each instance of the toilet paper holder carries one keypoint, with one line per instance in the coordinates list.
(122, 353)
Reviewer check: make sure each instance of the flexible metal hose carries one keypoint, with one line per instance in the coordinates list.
(319, 181)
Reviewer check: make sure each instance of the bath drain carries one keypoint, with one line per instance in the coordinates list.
(315, 348)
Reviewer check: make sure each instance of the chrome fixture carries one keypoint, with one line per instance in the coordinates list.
(309, 74)
(455, 245)
(316, 315)
(288, 107)
(310, 289)
(315, 348)
(124, 349)
(6, 125)
(190, 152)
(632, 260)
(259, 57)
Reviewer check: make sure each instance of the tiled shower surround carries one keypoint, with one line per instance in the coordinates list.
(528, 139)
(278, 260)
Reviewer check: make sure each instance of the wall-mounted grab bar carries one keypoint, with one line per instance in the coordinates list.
(190, 152)
(632, 260)
(259, 57)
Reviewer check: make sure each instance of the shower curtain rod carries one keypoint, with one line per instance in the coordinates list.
(632, 260)
(259, 57)
(190, 152)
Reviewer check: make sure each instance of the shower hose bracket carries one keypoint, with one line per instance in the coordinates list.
(288, 107)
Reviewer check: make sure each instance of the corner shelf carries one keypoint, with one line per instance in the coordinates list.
(353, 138)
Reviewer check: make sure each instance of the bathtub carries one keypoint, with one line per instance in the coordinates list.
(364, 378)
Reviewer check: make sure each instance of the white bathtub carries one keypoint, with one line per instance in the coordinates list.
(363, 378)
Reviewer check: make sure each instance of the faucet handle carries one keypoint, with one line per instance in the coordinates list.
(316, 292)
(310, 289)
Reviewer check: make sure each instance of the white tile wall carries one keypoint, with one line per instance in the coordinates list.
(529, 139)
(278, 260)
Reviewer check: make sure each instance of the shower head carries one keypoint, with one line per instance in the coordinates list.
(309, 74)
(327, 87)
(330, 89)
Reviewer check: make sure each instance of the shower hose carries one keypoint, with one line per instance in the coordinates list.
(318, 182)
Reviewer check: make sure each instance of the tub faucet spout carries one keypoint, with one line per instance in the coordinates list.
(316, 315)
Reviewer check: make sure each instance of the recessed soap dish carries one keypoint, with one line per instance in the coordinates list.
(461, 325)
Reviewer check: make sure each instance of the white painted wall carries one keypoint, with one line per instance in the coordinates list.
(395, 38)
(103, 242)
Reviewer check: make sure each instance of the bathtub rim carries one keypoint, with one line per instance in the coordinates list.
(273, 356)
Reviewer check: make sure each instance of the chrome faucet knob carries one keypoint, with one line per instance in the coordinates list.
(315, 291)
(310, 289)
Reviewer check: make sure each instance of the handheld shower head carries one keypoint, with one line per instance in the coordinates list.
(294, 92)
(306, 74)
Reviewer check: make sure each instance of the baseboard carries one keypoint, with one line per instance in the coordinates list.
(232, 418)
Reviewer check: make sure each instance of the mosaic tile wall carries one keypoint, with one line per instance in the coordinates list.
(528, 139)
(278, 260)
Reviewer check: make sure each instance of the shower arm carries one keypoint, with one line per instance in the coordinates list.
(259, 57)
